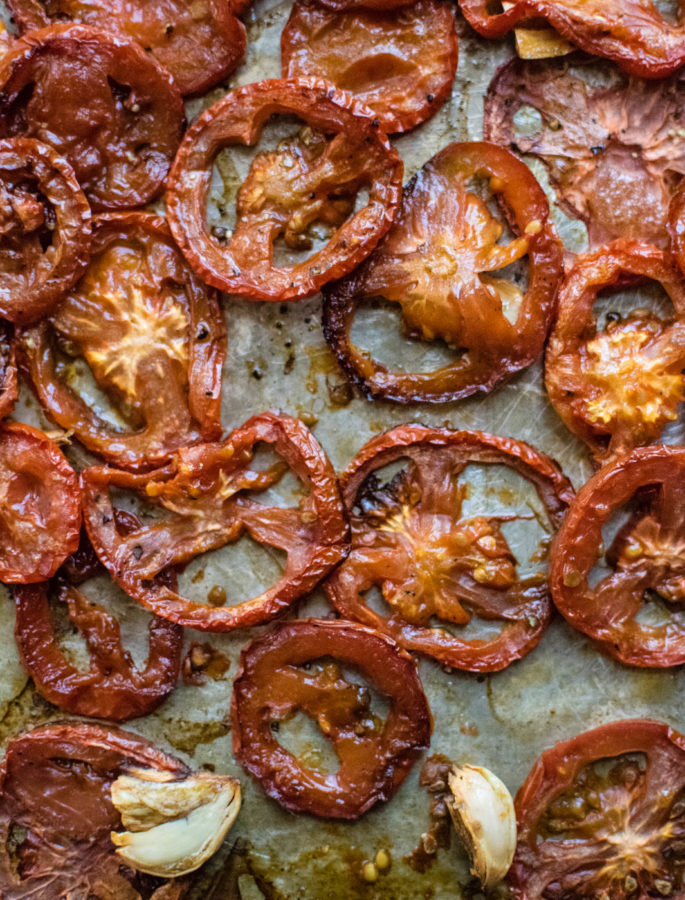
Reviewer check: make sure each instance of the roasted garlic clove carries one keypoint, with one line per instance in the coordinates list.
(174, 826)
(483, 814)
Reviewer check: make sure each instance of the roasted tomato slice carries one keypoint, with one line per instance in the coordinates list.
(617, 387)
(206, 493)
(8, 370)
(613, 148)
(56, 814)
(433, 565)
(102, 102)
(310, 181)
(40, 513)
(151, 335)
(298, 667)
(199, 44)
(44, 229)
(401, 64)
(634, 33)
(634, 610)
(603, 816)
(434, 263)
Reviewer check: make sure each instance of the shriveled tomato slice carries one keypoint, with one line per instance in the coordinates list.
(603, 816)
(8, 370)
(431, 564)
(311, 180)
(152, 336)
(206, 491)
(199, 44)
(434, 264)
(102, 102)
(634, 33)
(44, 229)
(297, 667)
(617, 387)
(635, 610)
(401, 64)
(40, 512)
(56, 814)
(612, 147)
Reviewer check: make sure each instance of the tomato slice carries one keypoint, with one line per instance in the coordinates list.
(44, 229)
(152, 336)
(617, 387)
(646, 559)
(296, 667)
(602, 816)
(199, 44)
(401, 64)
(56, 813)
(8, 370)
(308, 181)
(634, 33)
(434, 264)
(410, 540)
(206, 491)
(40, 513)
(104, 104)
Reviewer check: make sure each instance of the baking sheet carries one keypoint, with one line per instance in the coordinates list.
(277, 359)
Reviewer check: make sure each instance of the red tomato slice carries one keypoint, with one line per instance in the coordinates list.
(208, 492)
(311, 179)
(601, 816)
(410, 540)
(296, 667)
(646, 558)
(401, 64)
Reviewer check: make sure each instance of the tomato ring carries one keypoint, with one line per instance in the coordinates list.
(616, 388)
(9, 389)
(205, 488)
(118, 126)
(646, 556)
(416, 267)
(153, 337)
(276, 198)
(588, 830)
(270, 689)
(198, 48)
(56, 813)
(415, 47)
(409, 539)
(41, 201)
(633, 34)
(40, 514)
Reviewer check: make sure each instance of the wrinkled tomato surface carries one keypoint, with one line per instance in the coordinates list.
(613, 148)
(56, 814)
(44, 229)
(401, 64)
(646, 559)
(438, 571)
(308, 184)
(199, 43)
(298, 668)
(617, 386)
(8, 370)
(633, 33)
(151, 335)
(101, 102)
(208, 494)
(603, 816)
(436, 264)
(40, 510)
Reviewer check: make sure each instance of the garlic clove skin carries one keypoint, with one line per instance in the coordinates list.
(482, 812)
(174, 826)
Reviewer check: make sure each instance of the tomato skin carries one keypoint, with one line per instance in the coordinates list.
(245, 266)
(351, 49)
(529, 608)
(371, 770)
(556, 771)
